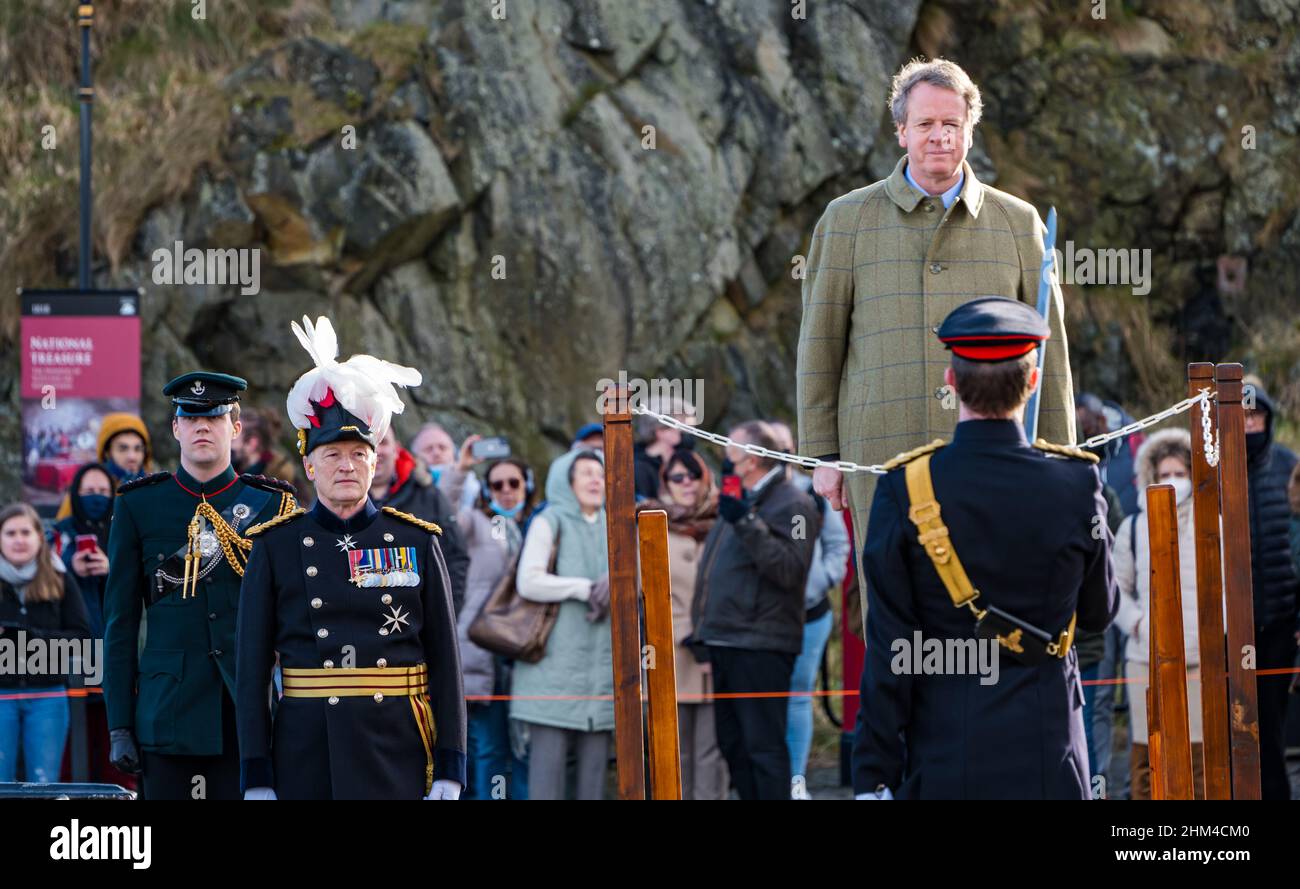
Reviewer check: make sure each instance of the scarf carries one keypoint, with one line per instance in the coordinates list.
(20, 578)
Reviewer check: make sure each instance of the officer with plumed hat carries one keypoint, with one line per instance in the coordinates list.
(356, 602)
(988, 552)
(177, 549)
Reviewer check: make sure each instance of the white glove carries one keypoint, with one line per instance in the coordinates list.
(883, 793)
(259, 793)
(444, 789)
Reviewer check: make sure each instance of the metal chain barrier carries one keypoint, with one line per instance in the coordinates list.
(1211, 446)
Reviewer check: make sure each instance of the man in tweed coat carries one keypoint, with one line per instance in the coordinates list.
(887, 263)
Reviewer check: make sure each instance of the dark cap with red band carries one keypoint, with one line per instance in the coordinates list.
(993, 328)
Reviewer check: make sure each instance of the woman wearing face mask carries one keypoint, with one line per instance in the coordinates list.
(90, 499)
(39, 603)
(492, 533)
(1165, 458)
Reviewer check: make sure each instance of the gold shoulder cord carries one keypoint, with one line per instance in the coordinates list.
(234, 547)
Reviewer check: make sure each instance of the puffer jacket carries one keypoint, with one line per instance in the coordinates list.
(1276, 584)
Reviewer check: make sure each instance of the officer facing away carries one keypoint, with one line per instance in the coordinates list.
(990, 542)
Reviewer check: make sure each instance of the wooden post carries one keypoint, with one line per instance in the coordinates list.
(1155, 763)
(1168, 661)
(1243, 708)
(623, 615)
(661, 669)
(1209, 596)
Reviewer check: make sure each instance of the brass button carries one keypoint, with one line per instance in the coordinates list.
(388, 537)
(307, 541)
(334, 699)
(316, 603)
(381, 663)
(386, 598)
(329, 665)
(322, 632)
(935, 268)
(311, 570)
(379, 696)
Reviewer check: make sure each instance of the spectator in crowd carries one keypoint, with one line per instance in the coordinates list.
(123, 449)
(564, 701)
(256, 452)
(39, 602)
(826, 573)
(91, 495)
(1269, 466)
(90, 498)
(690, 498)
(1118, 464)
(589, 437)
(749, 610)
(492, 534)
(435, 446)
(1165, 459)
(655, 442)
(405, 484)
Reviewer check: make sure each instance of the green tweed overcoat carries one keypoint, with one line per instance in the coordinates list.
(886, 265)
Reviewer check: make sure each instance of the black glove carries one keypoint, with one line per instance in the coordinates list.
(598, 600)
(732, 509)
(124, 754)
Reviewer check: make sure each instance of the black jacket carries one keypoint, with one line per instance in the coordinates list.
(1276, 587)
(1022, 522)
(61, 619)
(751, 577)
(298, 603)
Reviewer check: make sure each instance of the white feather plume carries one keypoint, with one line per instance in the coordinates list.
(364, 385)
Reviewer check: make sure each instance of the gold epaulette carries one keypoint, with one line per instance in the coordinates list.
(908, 456)
(1066, 451)
(278, 520)
(407, 517)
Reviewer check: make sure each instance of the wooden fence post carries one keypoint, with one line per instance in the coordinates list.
(1209, 594)
(1168, 661)
(661, 669)
(625, 624)
(1243, 708)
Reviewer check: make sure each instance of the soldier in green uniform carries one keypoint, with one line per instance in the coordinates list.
(177, 550)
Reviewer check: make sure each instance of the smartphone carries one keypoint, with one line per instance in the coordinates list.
(87, 543)
(490, 448)
(731, 486)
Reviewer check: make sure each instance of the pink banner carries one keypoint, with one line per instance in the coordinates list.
(81, 357)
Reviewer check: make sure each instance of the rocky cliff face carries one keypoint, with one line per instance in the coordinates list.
(537, 200)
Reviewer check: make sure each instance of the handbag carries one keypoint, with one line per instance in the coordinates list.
(510, 625)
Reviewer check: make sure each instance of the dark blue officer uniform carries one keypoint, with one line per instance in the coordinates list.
(1028, 523)
(1022, 521)
(299, 599)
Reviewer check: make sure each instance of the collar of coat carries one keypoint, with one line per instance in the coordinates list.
(907, 198)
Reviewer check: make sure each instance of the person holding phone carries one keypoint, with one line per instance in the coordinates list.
(82, 537)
